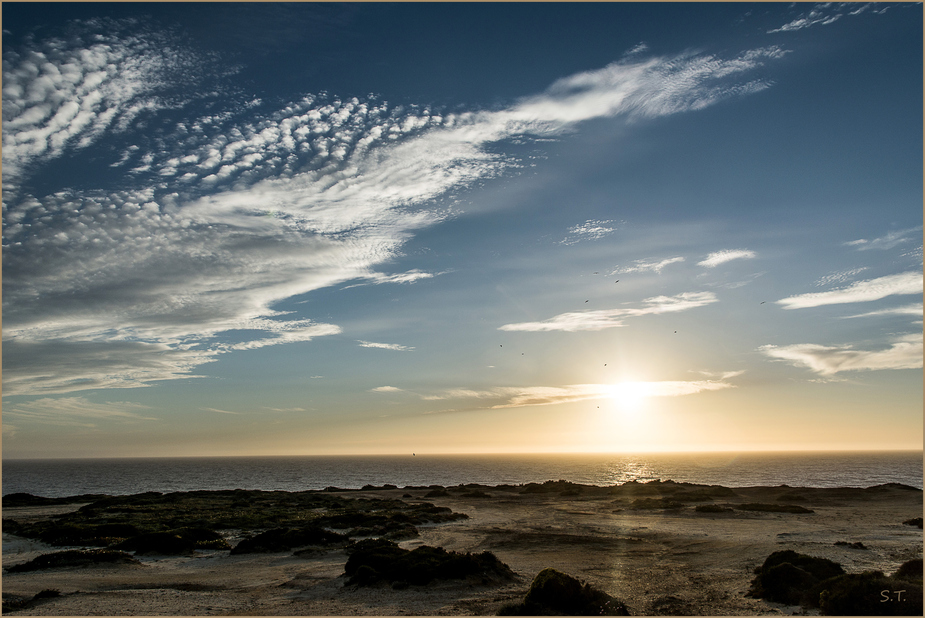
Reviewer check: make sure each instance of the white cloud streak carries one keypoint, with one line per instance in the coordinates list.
(903, 353)
(860, 291)
(643, 265)
(386, 346)
(612, 318)
(519, 397)
(727, 255)
(77, 411)
(228, 218)
(887, 241)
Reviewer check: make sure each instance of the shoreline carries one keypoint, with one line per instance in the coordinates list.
(646, 544)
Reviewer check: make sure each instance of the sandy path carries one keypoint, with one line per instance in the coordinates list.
(657, 562)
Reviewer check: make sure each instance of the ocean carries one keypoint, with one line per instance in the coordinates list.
(66, 477)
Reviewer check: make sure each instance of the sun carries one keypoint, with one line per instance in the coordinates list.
(629, 397)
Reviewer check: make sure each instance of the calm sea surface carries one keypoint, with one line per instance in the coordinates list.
(64, 477)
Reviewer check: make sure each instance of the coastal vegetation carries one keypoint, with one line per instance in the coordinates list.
(373, 561)
(553, 593)
(819, 583)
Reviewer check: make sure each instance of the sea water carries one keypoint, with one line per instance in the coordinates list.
(122, 476)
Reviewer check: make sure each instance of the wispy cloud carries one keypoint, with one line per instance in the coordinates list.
(75, 411)
(860, 291)
(589, 230)
(826, 13)
(519, 397)
(218, 410)
(228, 217)
(903, 353)
(643, 265)
(887, 241)
(914, 309)
(385, 389)
(612, 318)
(727, 255)
(386, 346)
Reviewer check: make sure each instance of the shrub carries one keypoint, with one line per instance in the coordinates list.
(788, 577)
(712, 508)
(869, 594)
(74, 557)
(555, 593)
(774, 508)
(655, 503)
(857, 545)
(285, 539)
(376, 560)
(162, 543)
(910, 570)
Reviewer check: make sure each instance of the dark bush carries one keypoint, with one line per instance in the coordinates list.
(285, 539)
(437, 493)
(655, 503)
(857, 545)
(375, 560)
(774, 508)
(788, 577)
(74, 557)
(712, 508)
(869, 594)
(203, 538)
(911, 570)
(159, 543)
(554, 593)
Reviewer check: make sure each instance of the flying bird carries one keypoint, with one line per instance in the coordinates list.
(617, 281)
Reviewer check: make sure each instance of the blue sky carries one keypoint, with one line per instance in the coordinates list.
(383, 228)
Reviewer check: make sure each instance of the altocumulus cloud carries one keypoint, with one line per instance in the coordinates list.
(228, 213)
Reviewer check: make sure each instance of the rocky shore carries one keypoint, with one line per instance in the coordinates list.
(657, 548)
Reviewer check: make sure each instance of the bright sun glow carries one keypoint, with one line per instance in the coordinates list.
(629, 396)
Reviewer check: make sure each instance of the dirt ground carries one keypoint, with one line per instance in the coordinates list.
(658, 562)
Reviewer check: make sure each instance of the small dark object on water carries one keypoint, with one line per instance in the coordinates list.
(915, 521)
(858, 545)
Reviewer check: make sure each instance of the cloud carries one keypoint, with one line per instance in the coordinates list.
(229, 213)
(903, 353)
(386, 346)
(839, 277)
(860, 291)
(219, 411)
(589, 230)
(642, 265)
(888, 241)
(913, 309)
(75, 411)
(58, 95)
(385, 389)
(519, 397)
(611, 318)
(721, 257)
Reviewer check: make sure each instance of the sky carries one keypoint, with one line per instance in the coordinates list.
(287, 229)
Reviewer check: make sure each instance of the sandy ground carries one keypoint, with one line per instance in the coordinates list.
(657, 562)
